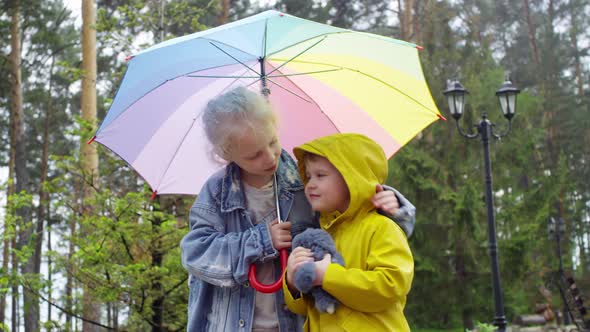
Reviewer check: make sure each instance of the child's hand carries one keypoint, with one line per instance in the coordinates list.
(298, 256)
(280, 234)
(385, 200)
(320, 269)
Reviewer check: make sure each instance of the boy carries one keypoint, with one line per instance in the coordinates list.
(340, 172)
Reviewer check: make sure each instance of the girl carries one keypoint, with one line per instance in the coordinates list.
(233, 222)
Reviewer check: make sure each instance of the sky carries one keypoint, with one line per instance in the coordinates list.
(76, 7)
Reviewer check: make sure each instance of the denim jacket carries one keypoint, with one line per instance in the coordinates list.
(222, 243)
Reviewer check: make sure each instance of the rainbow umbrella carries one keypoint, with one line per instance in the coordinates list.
(321, 79)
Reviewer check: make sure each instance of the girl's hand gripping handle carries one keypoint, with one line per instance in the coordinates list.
(263, 288)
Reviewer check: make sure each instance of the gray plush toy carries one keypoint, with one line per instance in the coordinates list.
(320, 243)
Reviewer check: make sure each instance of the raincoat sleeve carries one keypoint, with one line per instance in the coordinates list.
(296, 304)
(217, 257)
(387, 278)
(405, 216)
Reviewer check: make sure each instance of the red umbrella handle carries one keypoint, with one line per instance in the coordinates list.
(263, 288)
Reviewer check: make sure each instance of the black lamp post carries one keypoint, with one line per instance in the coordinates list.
(507, 93)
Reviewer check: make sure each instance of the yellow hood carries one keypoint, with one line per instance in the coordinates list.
(362, 164)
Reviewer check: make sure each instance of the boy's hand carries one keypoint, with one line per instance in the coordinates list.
(385, 200)
(320, 269)
(280, 233)
(298, 256)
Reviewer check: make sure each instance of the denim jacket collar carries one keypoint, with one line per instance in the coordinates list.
(232, 194)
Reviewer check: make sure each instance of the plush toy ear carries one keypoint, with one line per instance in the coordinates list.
(304, 277)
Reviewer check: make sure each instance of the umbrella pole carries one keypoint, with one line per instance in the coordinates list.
(274, 287)
(265, 90)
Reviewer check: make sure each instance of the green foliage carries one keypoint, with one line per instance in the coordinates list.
(483, 327)
(128, 252)
(126, 246)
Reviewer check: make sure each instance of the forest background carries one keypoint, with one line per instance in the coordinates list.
(84, 248)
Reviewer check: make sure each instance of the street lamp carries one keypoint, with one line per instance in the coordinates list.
(507, 93)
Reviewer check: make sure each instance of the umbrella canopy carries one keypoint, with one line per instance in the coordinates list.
(321, 80)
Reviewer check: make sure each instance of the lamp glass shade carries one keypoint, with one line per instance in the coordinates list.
(455, 94)
(508, 103)
(551, 226)
(451, 102)
(507, 97)
(459, 103)
(561, 226)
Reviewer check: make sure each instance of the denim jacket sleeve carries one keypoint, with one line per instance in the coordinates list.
(405, 216)
(218, 257)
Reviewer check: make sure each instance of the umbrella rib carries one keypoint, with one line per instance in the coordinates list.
(312, 63)
(230, 46)
(205, 69)
(153, 188)
(254, 82)
(231, 56)
(308, 39)
(396, 41)
(394, 88)
(258, 77)
(298, 54)
(311, 100)
(171, 79)
(264, 38)
(175, 153)
(187, 132)
(371, 77)
(307, 73)
(221, 76)
(233, 82)
(288, 90)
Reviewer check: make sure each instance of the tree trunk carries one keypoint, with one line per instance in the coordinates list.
(532, 33)
(70, 278)
(400, 18)
(88, 153)
(5, 258)
(8, 243)
(548, 91)
(49, 276)
(15, 317)
(43, 195)
(224, 14)
(463, 285)
(115, 324)
(407, 25)
(157, 305)
(574, 30)
(342, 10)
(417, 21)
(25, 232)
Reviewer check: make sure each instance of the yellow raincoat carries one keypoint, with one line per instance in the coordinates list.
(372, 288)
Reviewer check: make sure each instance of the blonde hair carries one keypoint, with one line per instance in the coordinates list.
(229, 115)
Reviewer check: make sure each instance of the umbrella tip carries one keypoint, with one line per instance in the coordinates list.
(129, 57)
(441, 117)
(420, 48)
(91, 140)
(154, 194)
